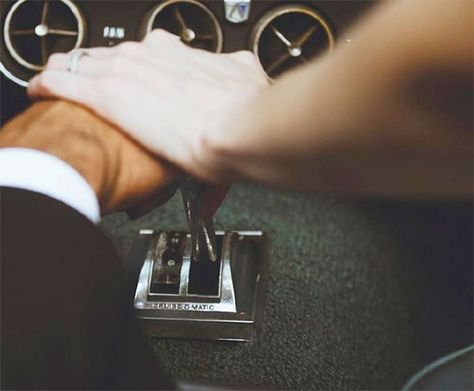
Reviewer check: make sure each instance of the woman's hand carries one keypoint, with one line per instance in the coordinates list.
(161, 92)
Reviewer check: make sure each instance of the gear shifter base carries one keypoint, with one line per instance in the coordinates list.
(182, 298)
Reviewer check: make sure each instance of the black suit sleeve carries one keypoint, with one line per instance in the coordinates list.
(66, 315)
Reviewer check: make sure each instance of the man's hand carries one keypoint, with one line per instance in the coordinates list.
(121, 173)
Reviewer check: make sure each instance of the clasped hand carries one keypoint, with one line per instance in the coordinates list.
(167, 96)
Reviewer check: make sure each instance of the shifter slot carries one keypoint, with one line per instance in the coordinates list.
(204, 275)
(179, 297)
(167, 264)
(166, 273)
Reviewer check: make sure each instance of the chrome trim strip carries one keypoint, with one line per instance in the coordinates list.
(12, 77)
(10, 47)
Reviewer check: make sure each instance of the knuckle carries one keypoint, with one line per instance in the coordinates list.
(56, 60)
(107, 84)
(252, 64)
(255, 63)
(245, 55)
(42, 82)
(46, 81)
(155, 34)
(109, 87)
(159, 35)
(121, 65)
(128, 48)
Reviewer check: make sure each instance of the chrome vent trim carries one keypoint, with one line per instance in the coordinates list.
(40, 31)
(12, 77)
(186, 32)
(291, 49)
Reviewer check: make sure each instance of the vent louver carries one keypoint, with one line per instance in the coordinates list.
(193, 22)
(289, 36)
(33, 30)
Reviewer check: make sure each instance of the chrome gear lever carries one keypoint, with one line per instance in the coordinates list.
(199, 284)
(201, 226)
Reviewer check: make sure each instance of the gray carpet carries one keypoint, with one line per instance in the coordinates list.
(361, 294)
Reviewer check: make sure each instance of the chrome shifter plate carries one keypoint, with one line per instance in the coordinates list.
(182, 298)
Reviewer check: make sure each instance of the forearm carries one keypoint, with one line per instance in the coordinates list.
(366, 119)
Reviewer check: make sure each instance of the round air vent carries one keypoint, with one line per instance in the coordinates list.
(288, 36)
(192, 21)
(34, 30)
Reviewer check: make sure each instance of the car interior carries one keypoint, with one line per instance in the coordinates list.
(309, 291)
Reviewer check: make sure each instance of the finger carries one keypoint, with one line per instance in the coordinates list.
(59, 60)
(159, 38)
(108, 52)
(246, 57)
(66, 85)
(87, 65)
(100, 61)
(102, 52)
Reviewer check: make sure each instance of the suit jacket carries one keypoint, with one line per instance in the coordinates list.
(66, 308)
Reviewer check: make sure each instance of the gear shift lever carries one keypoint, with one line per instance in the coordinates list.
(200, 284)
(201, 227)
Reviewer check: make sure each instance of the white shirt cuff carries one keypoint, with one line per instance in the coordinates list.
(29, 169)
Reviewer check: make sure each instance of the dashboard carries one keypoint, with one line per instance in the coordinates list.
(282, 34)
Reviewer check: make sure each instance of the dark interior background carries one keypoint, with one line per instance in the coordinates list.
(362, 293)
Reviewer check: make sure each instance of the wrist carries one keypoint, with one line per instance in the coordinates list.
(60, 129)
(208, 154)
(221, 145)
(87, 154)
